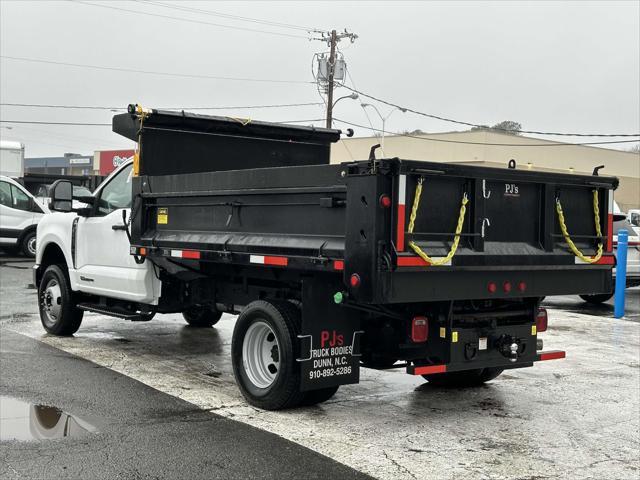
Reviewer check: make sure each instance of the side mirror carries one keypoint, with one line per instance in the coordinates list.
(61, 196)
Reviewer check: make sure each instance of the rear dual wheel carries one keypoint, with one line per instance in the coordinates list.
(264, 351)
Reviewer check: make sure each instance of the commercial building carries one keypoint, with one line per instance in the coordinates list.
(69, 164)
(490, 148)
(106, 161)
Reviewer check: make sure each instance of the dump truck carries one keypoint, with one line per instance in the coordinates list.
(434, 268)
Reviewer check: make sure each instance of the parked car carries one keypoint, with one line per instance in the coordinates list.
(622, 221)
(19, 216)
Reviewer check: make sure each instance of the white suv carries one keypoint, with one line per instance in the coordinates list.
(19, 216)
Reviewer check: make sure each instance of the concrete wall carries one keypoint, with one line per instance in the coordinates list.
(556, 156)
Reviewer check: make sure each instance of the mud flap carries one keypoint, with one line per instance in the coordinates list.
(329, 339)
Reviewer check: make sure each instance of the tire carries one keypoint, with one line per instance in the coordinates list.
(318, 396)
(466, 378)
(271, 379)
(202, 316)
(58, 312)
(597, 298)
(28, 244)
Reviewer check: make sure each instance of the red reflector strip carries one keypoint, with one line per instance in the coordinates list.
(400, 235)
(412, 262)
(269, 260)
(429, 369)
(338, 264)
(402, 194)
(552, 355)
(281, 261)
(189, 254)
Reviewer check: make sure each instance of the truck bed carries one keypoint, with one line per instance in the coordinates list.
(195, 210)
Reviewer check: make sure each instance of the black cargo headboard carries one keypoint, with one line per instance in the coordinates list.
(180, 142)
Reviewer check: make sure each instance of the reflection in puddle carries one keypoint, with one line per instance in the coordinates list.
(20, 420)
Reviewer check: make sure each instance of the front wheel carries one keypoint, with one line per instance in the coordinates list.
(202, 316)
(28, 244)
(597, 298)
(466, 378)
(58, 312)
(264, 352)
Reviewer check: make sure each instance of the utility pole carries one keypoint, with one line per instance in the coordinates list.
(332, 64)
(332, 40)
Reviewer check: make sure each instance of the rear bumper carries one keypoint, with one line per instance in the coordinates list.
(434, 369)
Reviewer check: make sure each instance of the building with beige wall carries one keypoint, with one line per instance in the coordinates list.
(490, 148)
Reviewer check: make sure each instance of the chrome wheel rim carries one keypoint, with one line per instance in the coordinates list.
(31, 245)
(261, 355)
(51, 301)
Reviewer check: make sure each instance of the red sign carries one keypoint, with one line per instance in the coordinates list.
(112, 159)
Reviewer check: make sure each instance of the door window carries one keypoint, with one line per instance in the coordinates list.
(5, 194)
(20, 199)
(117, 193)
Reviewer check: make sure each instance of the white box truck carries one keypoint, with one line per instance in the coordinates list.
(11, 159)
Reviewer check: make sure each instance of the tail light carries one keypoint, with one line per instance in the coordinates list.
(541, 320)
(492, 287)
(506, 286)
(354, 281)
(419, 329)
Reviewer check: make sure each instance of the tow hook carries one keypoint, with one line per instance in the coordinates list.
(510, 347)
(514, 352)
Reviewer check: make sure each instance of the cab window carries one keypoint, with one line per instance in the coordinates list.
(20, 199)
(5, 194)
(117, 193)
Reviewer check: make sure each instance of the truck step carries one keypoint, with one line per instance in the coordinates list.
(116, 312)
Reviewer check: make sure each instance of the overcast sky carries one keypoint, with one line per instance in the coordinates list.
(571, 66)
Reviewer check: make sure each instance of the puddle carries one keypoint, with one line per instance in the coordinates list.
(20, 420)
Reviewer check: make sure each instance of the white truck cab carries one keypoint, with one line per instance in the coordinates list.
(92, 245)
(19, 216)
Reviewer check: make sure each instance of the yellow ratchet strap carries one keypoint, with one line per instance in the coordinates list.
(456, 239)
(567, 237)
(136, 156)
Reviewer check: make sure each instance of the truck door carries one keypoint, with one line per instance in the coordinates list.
(104, 266)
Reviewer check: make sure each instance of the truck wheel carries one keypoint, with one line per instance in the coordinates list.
(58, 312)
(28, 244)
(597, 298)
(202, 316)
(466, 378)
(314, 397)
(264, 351)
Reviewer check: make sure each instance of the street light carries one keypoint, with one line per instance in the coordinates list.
(352, 96)
(383, 118)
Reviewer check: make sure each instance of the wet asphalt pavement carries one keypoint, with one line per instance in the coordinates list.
(165, 405)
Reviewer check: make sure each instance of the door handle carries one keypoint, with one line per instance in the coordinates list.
(119, 226)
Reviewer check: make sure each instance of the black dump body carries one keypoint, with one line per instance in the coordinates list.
(217, 192)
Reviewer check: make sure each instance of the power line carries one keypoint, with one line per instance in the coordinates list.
(469, 124)
(200, 22)
(150, 72)
(230, 16)
(558, 144)
(33, 122)
(86, 124)
(91, 107)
